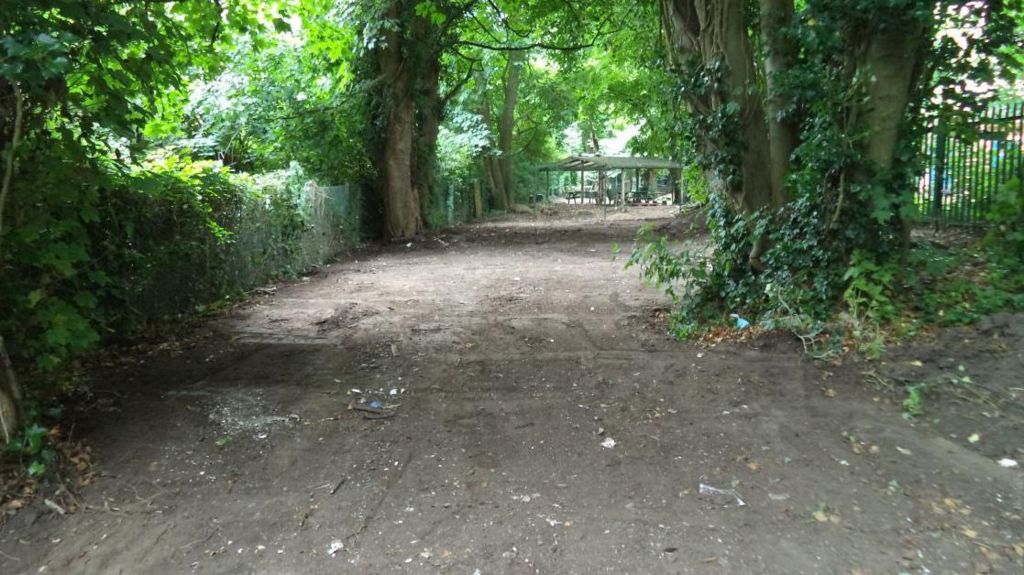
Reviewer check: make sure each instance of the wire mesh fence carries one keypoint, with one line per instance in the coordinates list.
(967, 163)
(275, 231)
(266, 244)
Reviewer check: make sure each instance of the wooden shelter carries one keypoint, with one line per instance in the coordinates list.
(606, 164)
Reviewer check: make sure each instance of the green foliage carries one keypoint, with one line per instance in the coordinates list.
(678, 273)
(836, 251)
(110, 225)
(105, 256)
(962, 285)
(695, 184)
(869, 288)
(913, 405)
(33, 448)
(1006, 216)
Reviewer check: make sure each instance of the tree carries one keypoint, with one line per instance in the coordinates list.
(75, 79)
(406, 43)
(411, 46)
(498, 161)
(806, 117)
(711, 38)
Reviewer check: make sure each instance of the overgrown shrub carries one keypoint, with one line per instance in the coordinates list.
(1006, 215)
(103, 254)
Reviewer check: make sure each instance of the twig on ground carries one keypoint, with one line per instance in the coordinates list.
(56, 507)
(11, 557)
(338, 485)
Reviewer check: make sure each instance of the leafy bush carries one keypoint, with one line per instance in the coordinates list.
(103, 254)
(1006, 216)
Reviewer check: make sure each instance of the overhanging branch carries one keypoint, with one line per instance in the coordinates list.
(458, 86)
(541, 44)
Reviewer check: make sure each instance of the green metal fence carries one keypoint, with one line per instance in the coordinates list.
(965, 165)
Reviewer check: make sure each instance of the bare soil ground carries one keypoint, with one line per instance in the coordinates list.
(533, 418)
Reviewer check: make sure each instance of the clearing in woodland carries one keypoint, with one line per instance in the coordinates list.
(533, 417)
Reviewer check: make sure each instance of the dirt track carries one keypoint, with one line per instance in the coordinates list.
(514, 351)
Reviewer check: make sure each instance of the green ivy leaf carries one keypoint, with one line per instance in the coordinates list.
(34, 297)
(36, 469)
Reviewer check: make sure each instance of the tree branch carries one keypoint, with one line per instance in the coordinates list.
(531, 46)
(601, 33)
(503, 18)
(9, 382)
(216, 26)
(445, 98)
(484, 29)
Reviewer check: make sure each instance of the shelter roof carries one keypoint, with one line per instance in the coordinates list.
(597, 163)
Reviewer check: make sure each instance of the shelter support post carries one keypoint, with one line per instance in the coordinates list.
(622, 189)
(677, 194)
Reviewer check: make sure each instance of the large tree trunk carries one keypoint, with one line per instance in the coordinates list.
(491, 165)
(506, 130)
(893, 62)
(430, 115)
(401, 202)
(783, 134)
(10, 390)
(714, 33)
(890, 64)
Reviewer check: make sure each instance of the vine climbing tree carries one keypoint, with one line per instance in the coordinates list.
(805, 116)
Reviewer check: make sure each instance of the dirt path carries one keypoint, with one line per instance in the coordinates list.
(516, 352)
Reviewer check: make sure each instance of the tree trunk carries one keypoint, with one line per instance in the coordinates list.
(401, 204)
(513, 73)
(499, 197)
(715, 33)
(491, 167)
(783, 134)
(478, 204)
(892, 62)
(890, 65)
(10, 397)
(676, 176)
(10, 390)
(430, 115)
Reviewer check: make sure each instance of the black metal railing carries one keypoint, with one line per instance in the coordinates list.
(966, 163)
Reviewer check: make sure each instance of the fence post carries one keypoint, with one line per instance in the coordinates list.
(940, 172)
